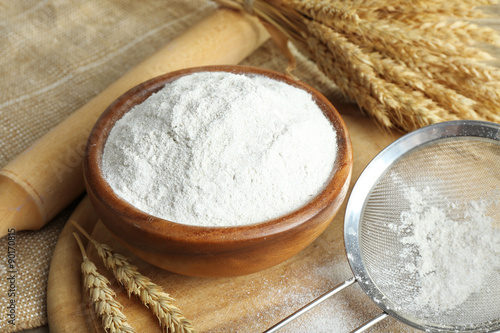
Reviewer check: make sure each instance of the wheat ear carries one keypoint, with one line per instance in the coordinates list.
(423, 10)
(101, 295)
(151, 295)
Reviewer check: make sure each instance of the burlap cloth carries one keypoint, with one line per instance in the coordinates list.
(55, 55)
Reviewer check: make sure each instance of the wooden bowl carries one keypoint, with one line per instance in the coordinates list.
(213, 251)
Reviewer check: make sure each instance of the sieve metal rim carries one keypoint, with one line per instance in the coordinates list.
(368, 179)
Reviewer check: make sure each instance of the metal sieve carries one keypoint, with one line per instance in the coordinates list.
(460, 162)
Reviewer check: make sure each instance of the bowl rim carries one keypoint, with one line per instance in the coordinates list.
(164, 229)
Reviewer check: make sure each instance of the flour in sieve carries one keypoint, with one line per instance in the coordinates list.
(221, 149)
(458, 248)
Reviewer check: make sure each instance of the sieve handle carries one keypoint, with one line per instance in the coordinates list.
(371, 323)
(311, 305)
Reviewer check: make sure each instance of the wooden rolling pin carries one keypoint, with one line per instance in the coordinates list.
(46, 177)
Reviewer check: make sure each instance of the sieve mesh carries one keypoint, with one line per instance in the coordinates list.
(452, 172)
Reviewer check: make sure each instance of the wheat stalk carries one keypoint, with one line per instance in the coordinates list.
(457, 32)
(151, 295)
(102, 296)
(425, 12)
(419, 10)
(406, 63)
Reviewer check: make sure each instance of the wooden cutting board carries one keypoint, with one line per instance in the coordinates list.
(249, 303)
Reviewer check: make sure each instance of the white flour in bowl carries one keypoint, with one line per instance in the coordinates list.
(221, 149)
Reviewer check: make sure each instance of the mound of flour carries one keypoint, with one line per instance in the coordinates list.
(221, 149)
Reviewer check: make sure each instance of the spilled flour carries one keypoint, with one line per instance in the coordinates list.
(457, 246)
